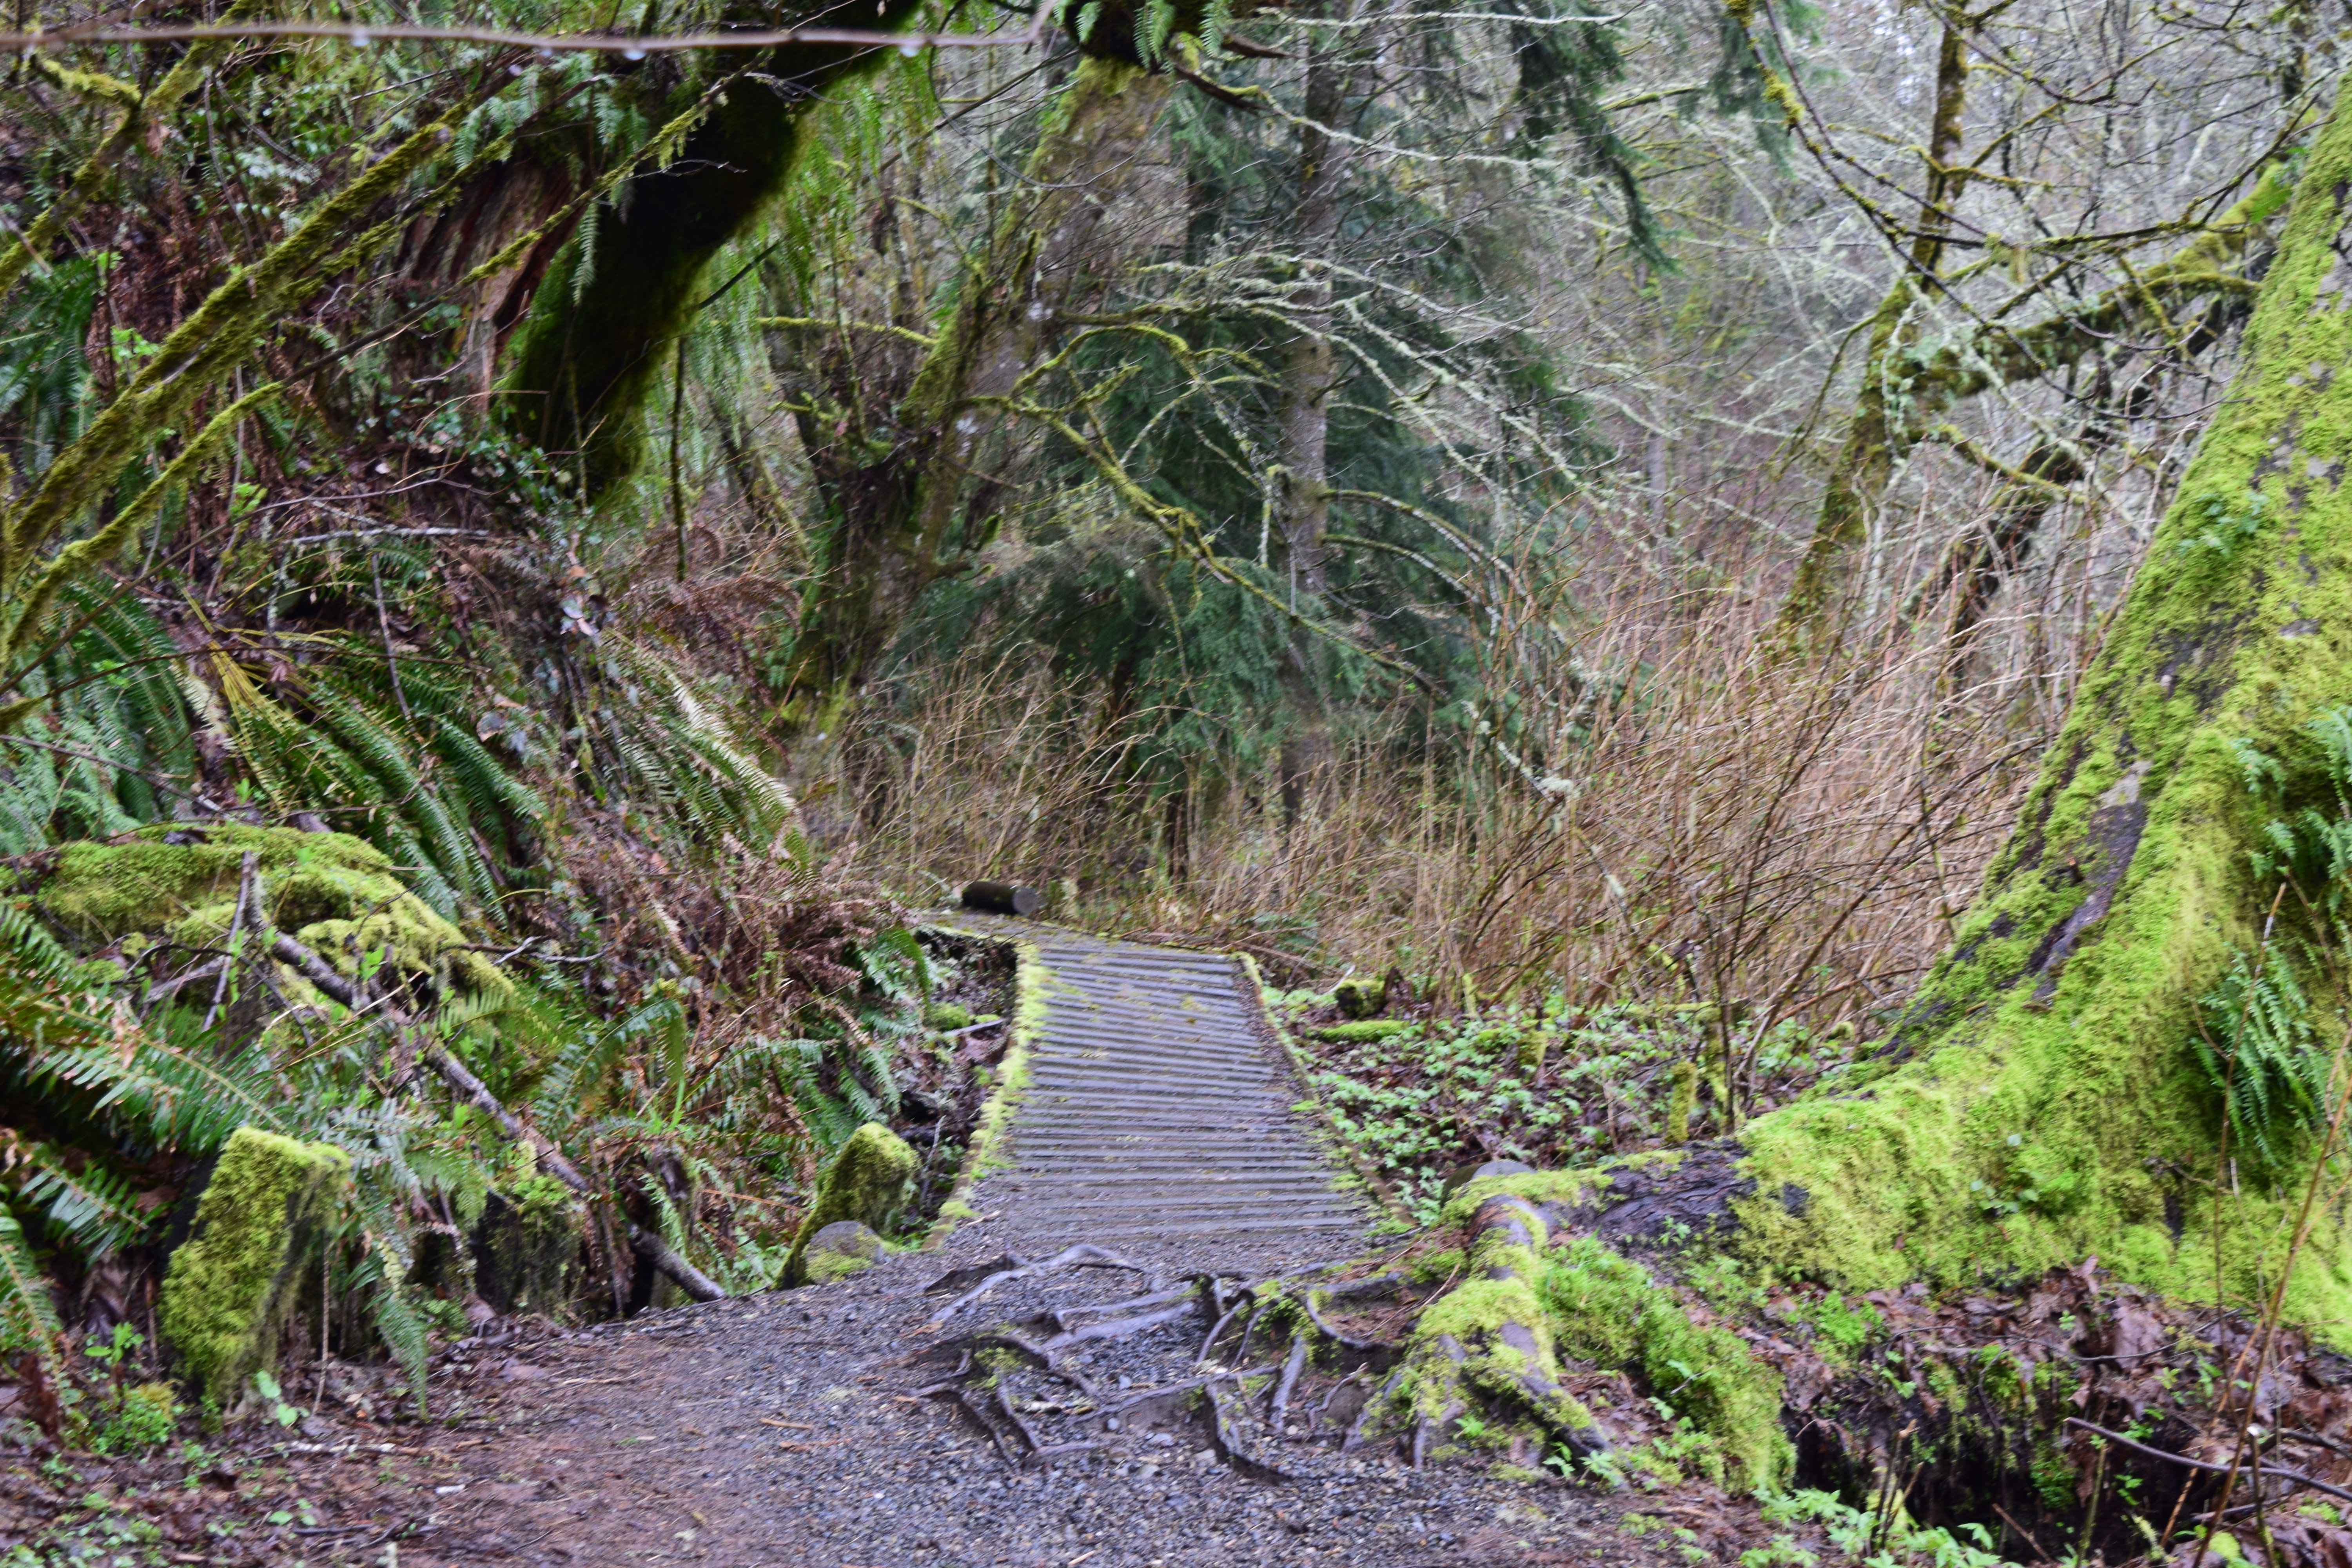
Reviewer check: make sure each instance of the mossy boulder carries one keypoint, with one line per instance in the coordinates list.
(867, 1182)
(1360, 997)
(331, 892)
(229, 1287)
(840, 1249)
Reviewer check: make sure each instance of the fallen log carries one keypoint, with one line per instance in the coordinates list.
(1003, 899)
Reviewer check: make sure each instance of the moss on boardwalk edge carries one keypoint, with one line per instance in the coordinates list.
(985, 1152)
(1357, 1173)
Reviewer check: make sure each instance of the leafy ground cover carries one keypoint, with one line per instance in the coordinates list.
(1422, 1090)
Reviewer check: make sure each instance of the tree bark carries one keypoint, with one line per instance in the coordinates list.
(1309, 370)
(902, 522)
(581, 361)
(2041, 1099)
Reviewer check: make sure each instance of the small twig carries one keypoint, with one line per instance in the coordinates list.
(2294, 1477)
(247, 869)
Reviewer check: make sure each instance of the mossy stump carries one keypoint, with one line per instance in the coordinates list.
(867, 1182)
(229, 1287)
(527, 1247)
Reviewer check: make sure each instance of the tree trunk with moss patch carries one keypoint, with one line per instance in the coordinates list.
(615, 299)
(2042, 1099)
(919, 511)
(1906, 391)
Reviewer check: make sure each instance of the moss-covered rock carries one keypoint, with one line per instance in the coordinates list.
(867, 1182)
(840, 1249)
(331, 892)
(228, 1287)
(1360, 998)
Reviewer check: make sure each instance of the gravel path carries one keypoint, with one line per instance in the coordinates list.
(787, 1430)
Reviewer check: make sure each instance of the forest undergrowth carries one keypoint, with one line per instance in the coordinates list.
(527, 574)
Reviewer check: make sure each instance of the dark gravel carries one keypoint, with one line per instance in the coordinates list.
(786, 1428)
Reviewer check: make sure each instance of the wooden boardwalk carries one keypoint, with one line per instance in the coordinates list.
(1159, 1106)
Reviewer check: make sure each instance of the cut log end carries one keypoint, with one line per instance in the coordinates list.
(1003, 899)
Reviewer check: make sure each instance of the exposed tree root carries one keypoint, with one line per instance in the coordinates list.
(1224, 1399)
(1490, 1340)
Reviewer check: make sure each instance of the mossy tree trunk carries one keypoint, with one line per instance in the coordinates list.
(2042, 1099)
(611, 303)
(903, 519)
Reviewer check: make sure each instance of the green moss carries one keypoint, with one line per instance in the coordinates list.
(1364, 1031)
(144, 1418)
(2047, 1105)
(1359, 997)
(227, 1288)
(1031, 982)
(839, 1250)
(1680, 1101)
(1840, 1329)
(2053, 1473)
(1607, 1308)
(331, 892)
(867, 1182)
(947, 1017)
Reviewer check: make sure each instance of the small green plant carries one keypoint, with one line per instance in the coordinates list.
(272, 1400)
(144, 1419)
(1879, 1541)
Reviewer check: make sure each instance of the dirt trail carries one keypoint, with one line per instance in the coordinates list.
(864, 1425)
(785, 1428)
(845, 1425)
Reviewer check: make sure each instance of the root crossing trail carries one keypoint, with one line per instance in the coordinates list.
(1158, 1113)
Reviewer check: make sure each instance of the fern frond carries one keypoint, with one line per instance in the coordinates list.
(92, 1209)
(28, 1318)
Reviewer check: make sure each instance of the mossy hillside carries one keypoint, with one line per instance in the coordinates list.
(2051, 1106)
(866, 1182)
(334, 893)
(227, 1288)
